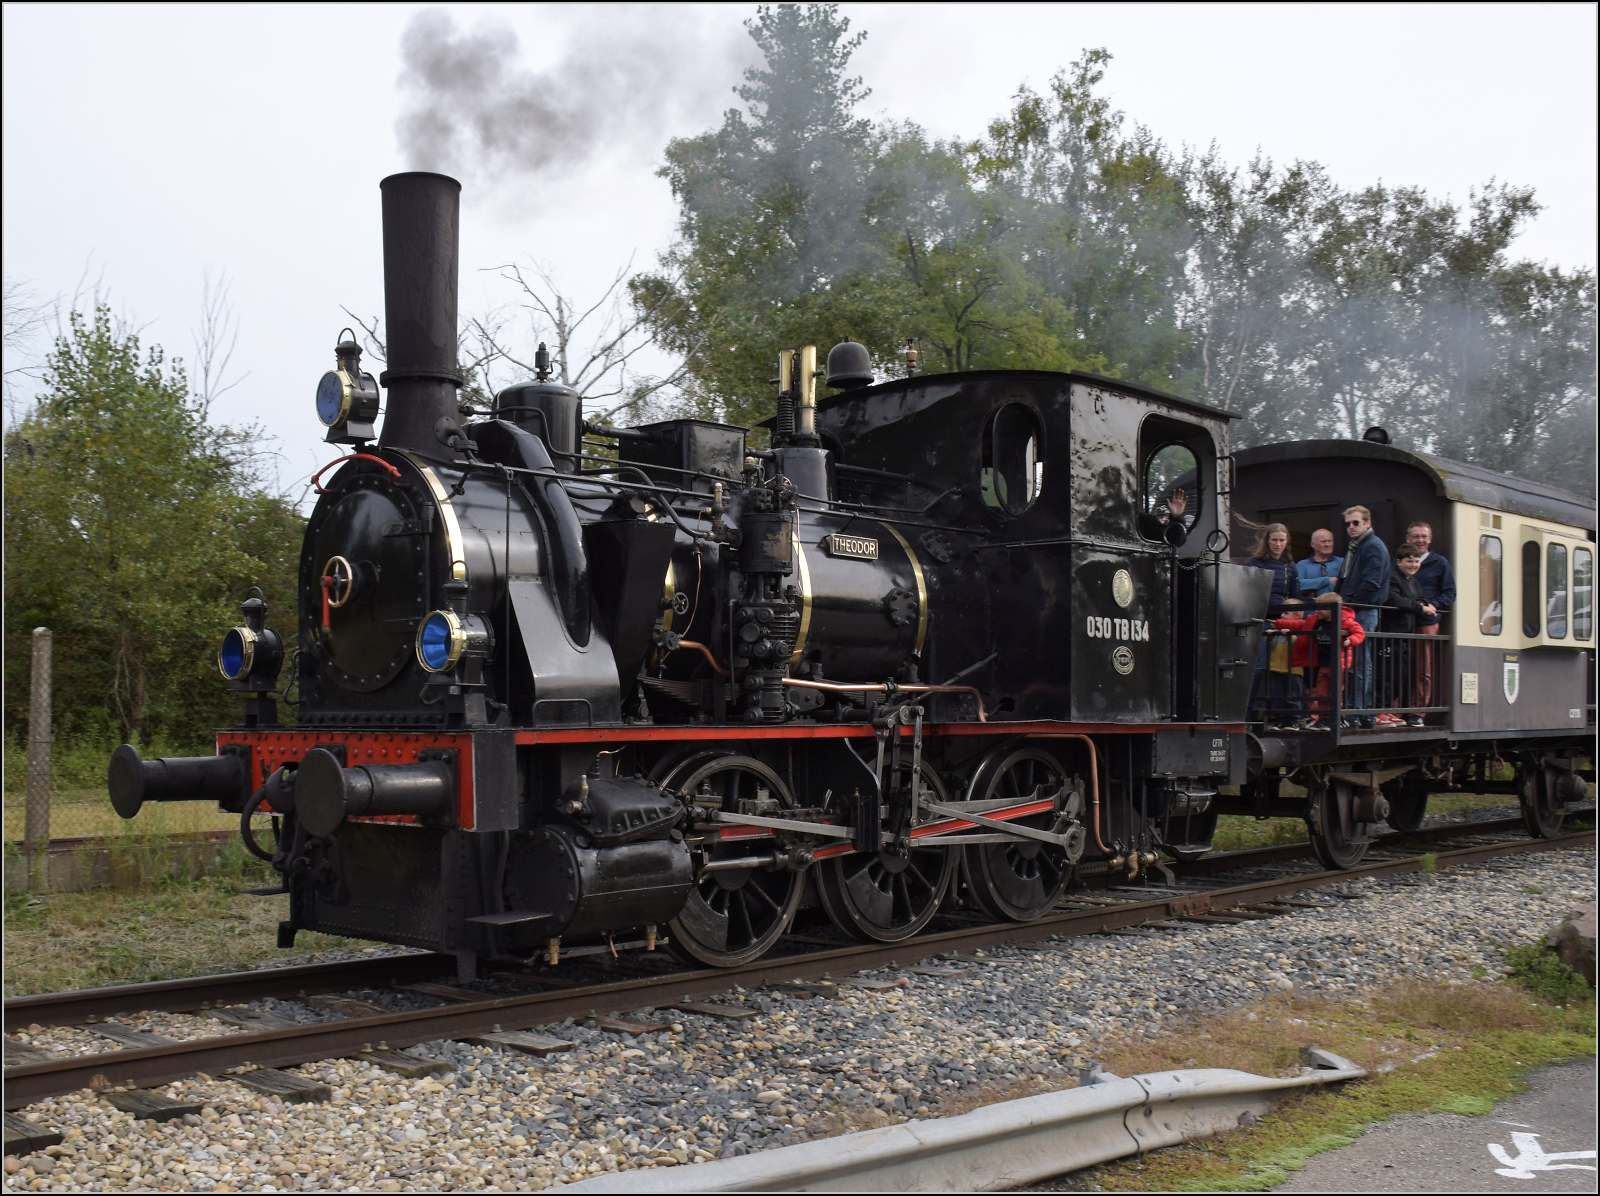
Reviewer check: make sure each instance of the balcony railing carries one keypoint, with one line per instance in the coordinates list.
(1394, 680)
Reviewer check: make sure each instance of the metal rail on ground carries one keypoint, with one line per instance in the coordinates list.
(149, 1066)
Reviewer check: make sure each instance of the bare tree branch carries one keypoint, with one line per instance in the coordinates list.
(215, 340)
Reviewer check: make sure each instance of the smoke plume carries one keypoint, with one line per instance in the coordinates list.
(476, 110)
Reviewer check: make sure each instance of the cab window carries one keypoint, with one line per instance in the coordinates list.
(1555, 591)
(1531, 603)
(1582, 594)
(1013, 460)
(1173, 460)
(1491, 607)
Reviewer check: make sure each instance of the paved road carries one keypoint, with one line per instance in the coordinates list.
(1442, 1152)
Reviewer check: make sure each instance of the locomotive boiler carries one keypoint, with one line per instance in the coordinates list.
(554, 687)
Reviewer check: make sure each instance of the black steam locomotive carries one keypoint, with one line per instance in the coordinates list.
(565, 688)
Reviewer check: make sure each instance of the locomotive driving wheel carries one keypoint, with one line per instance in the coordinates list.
(732, 915)
(1022, 879)
(1338, 838)
(1543, 810)
(891, 895)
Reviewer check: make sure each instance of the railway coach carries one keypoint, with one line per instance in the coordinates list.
(1510, 679)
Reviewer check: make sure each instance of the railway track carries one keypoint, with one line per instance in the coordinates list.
(1193, 895)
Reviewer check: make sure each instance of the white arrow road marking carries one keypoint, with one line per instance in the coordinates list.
(1531, 1158)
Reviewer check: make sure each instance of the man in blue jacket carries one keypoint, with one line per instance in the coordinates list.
(1364, 584)
(1319, 572)
(1438, 586)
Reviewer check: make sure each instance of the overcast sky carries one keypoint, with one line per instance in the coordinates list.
(145, 145)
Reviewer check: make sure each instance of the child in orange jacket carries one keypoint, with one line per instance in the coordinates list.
(1301, 655)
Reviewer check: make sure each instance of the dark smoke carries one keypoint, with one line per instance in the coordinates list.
(476, 110)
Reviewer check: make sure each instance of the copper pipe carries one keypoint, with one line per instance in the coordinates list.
(693, 646)
(1094, 778)
(838, 687)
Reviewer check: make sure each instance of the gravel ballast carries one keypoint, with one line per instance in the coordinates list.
(709, 1087)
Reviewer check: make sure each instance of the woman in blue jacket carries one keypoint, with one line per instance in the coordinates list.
(1272, 552)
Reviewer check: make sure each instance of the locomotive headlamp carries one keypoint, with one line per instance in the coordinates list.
(250, 657)
(250, 654)
(445, 637)
(237, 653)
(347, 399)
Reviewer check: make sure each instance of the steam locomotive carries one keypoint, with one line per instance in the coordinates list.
(563, 688)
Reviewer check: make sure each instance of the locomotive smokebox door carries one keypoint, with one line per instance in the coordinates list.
(1121, 636)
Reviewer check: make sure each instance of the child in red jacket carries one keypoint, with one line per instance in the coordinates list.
(1302, 654)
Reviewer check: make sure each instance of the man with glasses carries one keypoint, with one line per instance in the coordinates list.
(1363, 584)
(1438, 586)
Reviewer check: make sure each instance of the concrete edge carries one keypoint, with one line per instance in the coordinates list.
(999, 1146)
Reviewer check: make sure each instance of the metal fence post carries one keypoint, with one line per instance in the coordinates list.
(36, 831)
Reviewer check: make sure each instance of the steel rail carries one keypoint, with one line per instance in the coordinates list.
(149, 1066)
(1246, 857)
(228, 988)
(193, 993)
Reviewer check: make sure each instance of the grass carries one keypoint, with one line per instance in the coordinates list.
(62, 941)
(1430, 1047)
(89, 812)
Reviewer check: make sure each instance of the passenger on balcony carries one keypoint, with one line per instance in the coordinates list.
(1319, 572)
(1274, 673)
(1438, 585)
(1363, 584)
(1351, 635)
(1397, 659)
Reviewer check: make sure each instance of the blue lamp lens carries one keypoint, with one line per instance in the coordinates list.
(330, 399)
(435, 642)
(232, 654)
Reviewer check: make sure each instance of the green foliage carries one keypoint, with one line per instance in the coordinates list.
(133, 527)
(1065, 239)
(1542, 972)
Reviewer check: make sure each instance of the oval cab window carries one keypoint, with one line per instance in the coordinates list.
(1171, 490)
(1013, 460)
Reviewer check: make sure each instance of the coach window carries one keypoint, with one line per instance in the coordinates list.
(1555, 591)
(1582, 594)
(1013, 460)
(1531, 604)
(1490, 607)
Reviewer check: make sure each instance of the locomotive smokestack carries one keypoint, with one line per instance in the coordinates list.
(421, 258)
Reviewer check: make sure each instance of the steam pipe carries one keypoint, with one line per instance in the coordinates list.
(1094, 786)
(696, 646)
(835, 687)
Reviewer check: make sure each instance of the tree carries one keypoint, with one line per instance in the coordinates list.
(133, 527)
(1064, 239)
(777, 240)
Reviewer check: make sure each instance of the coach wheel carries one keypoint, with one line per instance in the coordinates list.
(1188, 838)
(1543, 811)
(888, 896)
(1021, 879)
(732, 917)
(1408, 806)
(1338, 840)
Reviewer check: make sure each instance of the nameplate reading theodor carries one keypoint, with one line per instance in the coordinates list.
(861, 548)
